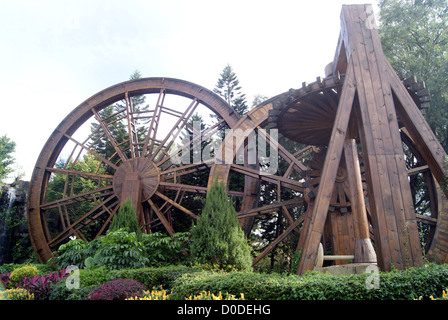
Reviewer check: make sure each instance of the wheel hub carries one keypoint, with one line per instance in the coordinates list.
(136, 175)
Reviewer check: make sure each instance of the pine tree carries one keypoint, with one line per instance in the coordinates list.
(126, 218)
(218, 237)
(228, 87)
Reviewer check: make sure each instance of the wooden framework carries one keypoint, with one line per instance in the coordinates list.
(360, 138)
(372, 100)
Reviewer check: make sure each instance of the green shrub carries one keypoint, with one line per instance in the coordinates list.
(402, 285)
(73, 252)
(155, 277)
(218, 237)
(126, 218)
(43, 268)
(121, 249)
(19, 274)
(164, 250)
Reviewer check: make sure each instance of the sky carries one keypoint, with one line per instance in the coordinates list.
(55, 54)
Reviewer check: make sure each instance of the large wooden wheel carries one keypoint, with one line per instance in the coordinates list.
(305, 117)
(83, 173)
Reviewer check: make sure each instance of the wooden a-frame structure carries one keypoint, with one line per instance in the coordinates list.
(373, 98)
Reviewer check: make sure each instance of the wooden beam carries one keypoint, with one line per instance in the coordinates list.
(319, 214)
(364, 251)
(396, 235)
(425, 140)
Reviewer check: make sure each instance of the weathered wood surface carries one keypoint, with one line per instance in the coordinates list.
(393, 216)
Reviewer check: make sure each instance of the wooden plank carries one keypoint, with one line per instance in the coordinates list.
(419, 130)
(319, 214)
(382, 144)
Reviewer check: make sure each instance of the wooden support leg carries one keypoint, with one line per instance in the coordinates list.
(319, 214)
(364, 251)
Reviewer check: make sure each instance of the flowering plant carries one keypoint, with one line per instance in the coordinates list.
(16, 294)
(118, 289)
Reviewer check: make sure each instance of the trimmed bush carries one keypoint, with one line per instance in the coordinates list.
(155, 277)
(19, 274)
(218, 237)
(396, 285)
(119, 289)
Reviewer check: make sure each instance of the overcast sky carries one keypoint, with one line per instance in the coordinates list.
(56, 54)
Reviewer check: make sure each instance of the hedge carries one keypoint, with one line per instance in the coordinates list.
(396, 285)
(149, 277)
(184, 281)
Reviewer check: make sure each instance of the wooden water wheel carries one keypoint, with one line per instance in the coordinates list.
(108, 149)
(358, 161)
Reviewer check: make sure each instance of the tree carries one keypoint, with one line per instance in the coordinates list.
(126, 217)
(218, 237)
(414, 36)
(7, 147)
(228, 87)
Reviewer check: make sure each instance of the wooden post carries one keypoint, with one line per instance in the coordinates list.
(312, 236)
(132, 189)
(364, 251)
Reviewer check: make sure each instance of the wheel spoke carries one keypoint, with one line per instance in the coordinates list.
(280, 238)
(176, 129)
(132, 128)
(111, 138)
(162, 218)
(89, 195)
(176, 205)
(285, 182)
(152, 130)
(95, 154)
(271, 208)
(204, 136)
(82, 174)
(86, 219)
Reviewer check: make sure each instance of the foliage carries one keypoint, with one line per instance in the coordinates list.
(7, 147)
(396, 285)
(121, 249)
(21, 273)
(150, 277)
(41, 285)
(163, 250)
(126, 217)
(218, 237)
(414, 36)
(16, 294)
(228, 87)
(118, 289)
(73, 252)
